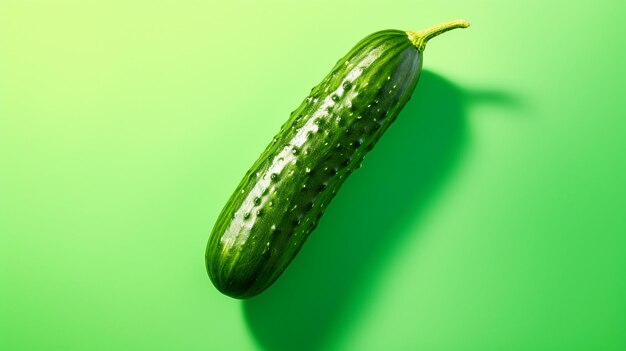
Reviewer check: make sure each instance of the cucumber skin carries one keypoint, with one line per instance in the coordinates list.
(282, 197)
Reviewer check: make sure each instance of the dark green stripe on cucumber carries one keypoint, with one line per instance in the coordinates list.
(282, 197)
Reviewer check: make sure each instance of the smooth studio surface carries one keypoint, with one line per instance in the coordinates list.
(489, 217)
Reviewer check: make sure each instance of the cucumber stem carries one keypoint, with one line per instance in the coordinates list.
(420, 38)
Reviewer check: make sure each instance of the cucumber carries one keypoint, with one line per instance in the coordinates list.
(282, 197)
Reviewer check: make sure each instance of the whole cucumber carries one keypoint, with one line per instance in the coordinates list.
(282, 197)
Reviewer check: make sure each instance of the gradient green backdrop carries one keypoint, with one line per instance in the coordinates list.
(492, 216)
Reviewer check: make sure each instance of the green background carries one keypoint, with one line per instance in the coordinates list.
(491, 216)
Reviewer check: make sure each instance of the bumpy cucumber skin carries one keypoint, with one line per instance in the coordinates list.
(282, 197)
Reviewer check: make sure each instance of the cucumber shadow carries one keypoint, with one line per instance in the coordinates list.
(330, 281)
